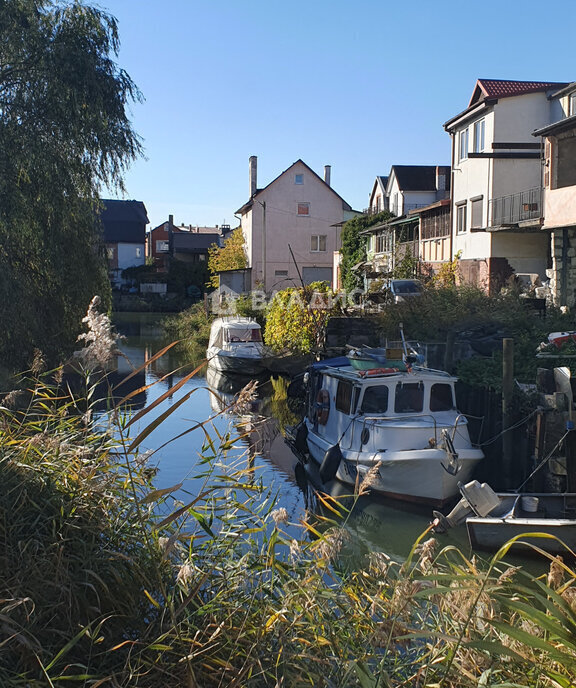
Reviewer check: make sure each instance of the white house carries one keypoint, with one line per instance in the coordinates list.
(292, 227)
(559, 181)
(496, 181)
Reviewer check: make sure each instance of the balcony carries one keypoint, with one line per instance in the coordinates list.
(519, 207)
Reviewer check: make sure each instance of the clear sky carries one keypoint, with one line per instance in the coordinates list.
(359, 85)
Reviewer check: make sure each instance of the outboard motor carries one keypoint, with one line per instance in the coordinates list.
(478, 499)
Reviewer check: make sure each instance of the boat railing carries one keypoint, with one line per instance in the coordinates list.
(460, 419)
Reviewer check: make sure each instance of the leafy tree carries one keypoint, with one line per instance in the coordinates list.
(353, 249)
(231, 256)
(297, 318)
(64, 135)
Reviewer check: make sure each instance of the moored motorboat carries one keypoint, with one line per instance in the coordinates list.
(402, 426)
(235, 346)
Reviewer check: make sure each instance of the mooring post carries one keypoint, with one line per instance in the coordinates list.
(507, 420)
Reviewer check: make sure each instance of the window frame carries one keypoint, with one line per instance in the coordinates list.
(461, 218)
(463, 138)
(476, 203)
(299, 179)
(318, 242)
(304, 205)
(479, 135)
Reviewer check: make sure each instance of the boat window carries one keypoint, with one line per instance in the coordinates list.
(343, 396)
(375, 399)
(441, 398)
(355, 399)
(243, 334)
(409, 397)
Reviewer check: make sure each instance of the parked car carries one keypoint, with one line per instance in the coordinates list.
(402, 289)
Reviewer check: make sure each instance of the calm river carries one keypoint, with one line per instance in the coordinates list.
(377, 524)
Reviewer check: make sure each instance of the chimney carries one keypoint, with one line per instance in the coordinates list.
(327, 170)
(253, 174)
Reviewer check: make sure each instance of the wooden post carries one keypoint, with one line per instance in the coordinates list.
(538, 479)
(507, 420)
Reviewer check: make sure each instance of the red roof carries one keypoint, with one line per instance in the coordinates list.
(500, 88)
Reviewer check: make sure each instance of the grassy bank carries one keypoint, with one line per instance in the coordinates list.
(107, 581)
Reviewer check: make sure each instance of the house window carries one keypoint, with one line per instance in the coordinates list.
(280, 273)
(461, 218)
(304, 209)
(479, 136)
(572, 104)
(476, 207)
(298, 179)
(565, 156)
(110, 253)
(138, 252)
(162, 246)
(463, 145)
(318, 242)
(380, 243)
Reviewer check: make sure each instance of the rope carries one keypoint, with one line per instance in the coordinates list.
(512, 427)
(544, 460)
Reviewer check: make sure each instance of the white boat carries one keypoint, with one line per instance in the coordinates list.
(543, 520)
(235, 346)
(403, 424)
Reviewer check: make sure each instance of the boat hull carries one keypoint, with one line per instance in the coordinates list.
(510, 521)
(237, 364)
(417, 475)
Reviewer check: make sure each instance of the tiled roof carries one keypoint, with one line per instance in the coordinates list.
(501, 88)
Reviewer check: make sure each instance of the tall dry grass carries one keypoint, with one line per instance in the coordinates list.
(107, 581)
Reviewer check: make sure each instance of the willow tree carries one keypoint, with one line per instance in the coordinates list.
(64, 136)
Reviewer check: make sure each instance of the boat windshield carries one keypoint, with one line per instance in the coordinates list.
(375, 399)
(243, 334)
(409, 397)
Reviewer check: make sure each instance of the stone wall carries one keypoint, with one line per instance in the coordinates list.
(563, 284)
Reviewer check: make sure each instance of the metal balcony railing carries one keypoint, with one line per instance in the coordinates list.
(519, 207)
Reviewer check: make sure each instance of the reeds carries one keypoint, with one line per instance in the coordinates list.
(108, 581)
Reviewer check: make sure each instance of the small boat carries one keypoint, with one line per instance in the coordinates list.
(494, 518)
(401, 425)
(235, 346)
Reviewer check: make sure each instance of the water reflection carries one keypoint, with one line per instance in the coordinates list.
(249, 402)
(257, 421)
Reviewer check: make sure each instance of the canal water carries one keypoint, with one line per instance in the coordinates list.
(256, 438)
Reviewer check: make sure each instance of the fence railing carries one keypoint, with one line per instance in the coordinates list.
(518, 207)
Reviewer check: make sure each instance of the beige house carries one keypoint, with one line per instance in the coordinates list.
(292, 227)
(496, 181)
(559, 181)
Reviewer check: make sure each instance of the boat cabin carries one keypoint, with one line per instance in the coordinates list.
(226, 331)
(387, 394)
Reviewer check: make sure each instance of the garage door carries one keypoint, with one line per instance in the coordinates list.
(317, 275)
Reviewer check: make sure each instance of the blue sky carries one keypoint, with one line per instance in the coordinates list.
(356, 85)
